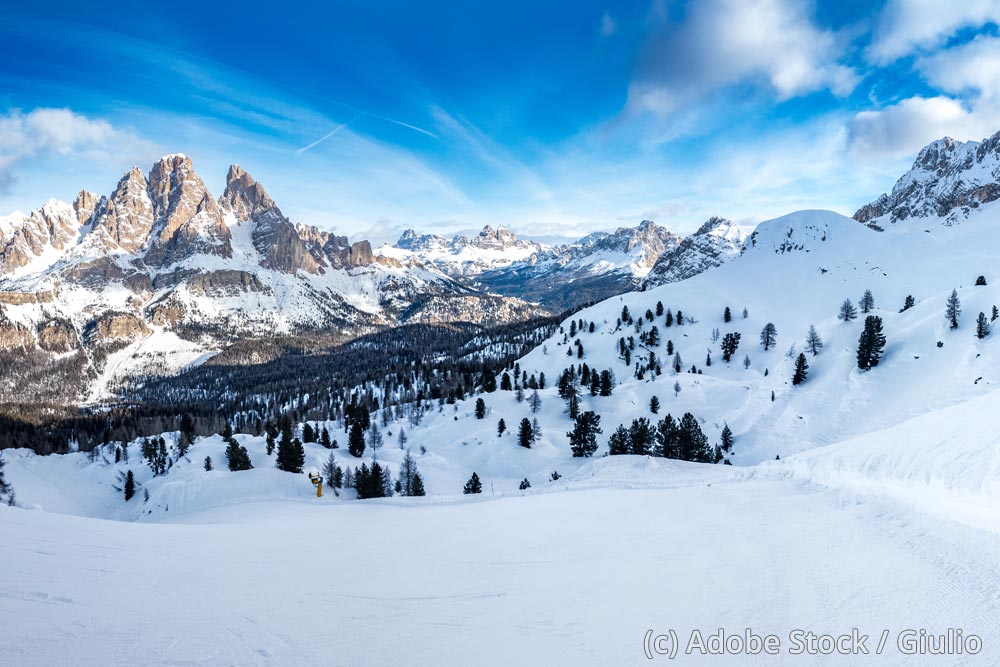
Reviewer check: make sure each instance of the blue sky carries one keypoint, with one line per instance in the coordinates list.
(552, 118)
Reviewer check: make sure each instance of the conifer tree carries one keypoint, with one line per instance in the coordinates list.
(418, 486)
(867, 302)
(666, 438)
(768, 336)
(730, 343)
(5, 487)
(329, 470)
(480, 408)
(953, 309)
(356, 440)
(535, 402)
(727, 439)
(238, 457)
(473, 485)
(524, 485)
(801, 370)
(871, 343)
(407, 474)
(995, 314)
(908, 303)
(501, 427)
(583, 437)
(982, 326)
(618, 443)
(129, 485)
(208, 463)
(291, 453)
(607, 383)
(324, 438)
(525, 433)
(641, 436)
(847, 311)
(727, 315)
(813, 342)
(654, 405)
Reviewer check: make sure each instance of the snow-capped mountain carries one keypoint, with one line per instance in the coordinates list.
(715, 243)
(162, 268)
(558, 277)
(948, 182)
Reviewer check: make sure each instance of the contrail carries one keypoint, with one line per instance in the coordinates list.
(328, 135)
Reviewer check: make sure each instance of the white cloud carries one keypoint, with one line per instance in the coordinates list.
(725, 42)
(608, 25)
(63, 133)
(904, 128)
(974, 66)
(907, 26)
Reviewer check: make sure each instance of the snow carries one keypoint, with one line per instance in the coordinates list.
(882, 513)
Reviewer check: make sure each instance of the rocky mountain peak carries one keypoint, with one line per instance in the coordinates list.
(127, 219)
(247, 198)
(85, 204)
(716, 241)
(949, 180)
(187, 219)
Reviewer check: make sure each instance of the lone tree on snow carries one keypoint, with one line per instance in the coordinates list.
(847, 311)
(768, 336)
(801, 369)
(953, 309)
(867, 302)
(871, 343)
(583, 437)
(982, 326)
(473, 485)
(129, 485)
(813, 342)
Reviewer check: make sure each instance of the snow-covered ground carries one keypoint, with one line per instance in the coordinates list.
(883, 513)
(569, 578)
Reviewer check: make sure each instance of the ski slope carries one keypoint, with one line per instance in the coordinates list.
(569, 578)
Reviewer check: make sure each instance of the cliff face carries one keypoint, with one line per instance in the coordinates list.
(948, 182)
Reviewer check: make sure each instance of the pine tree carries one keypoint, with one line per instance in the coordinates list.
(324, 438)
(727, 439)
(208, 463)
(291, 453)
(980, 281)
(5, 487)
(813, 342)
(619, 442)
(407, 473)
(953, 309)
(607, 383)
(847, 311)
(473, 485)
(982, 326)
(535, 401)
(329, 470)
(129, 485)
(908, 303)
(356, 440)
(666, 438)
(308, 434)
(677, 388)
(525, 433)
(583, 437)
(730, 343)
(505, 383)
(801, 370)
(654, 405)
(995, 314)
(768, 336)
(871, 343)
(867, 302)
(418, 486)
(692, 445)
(727, 315)
(375, 439)
(501, 427)
(641, 436)
(524, 485)
(272, 434)
(238, 457)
